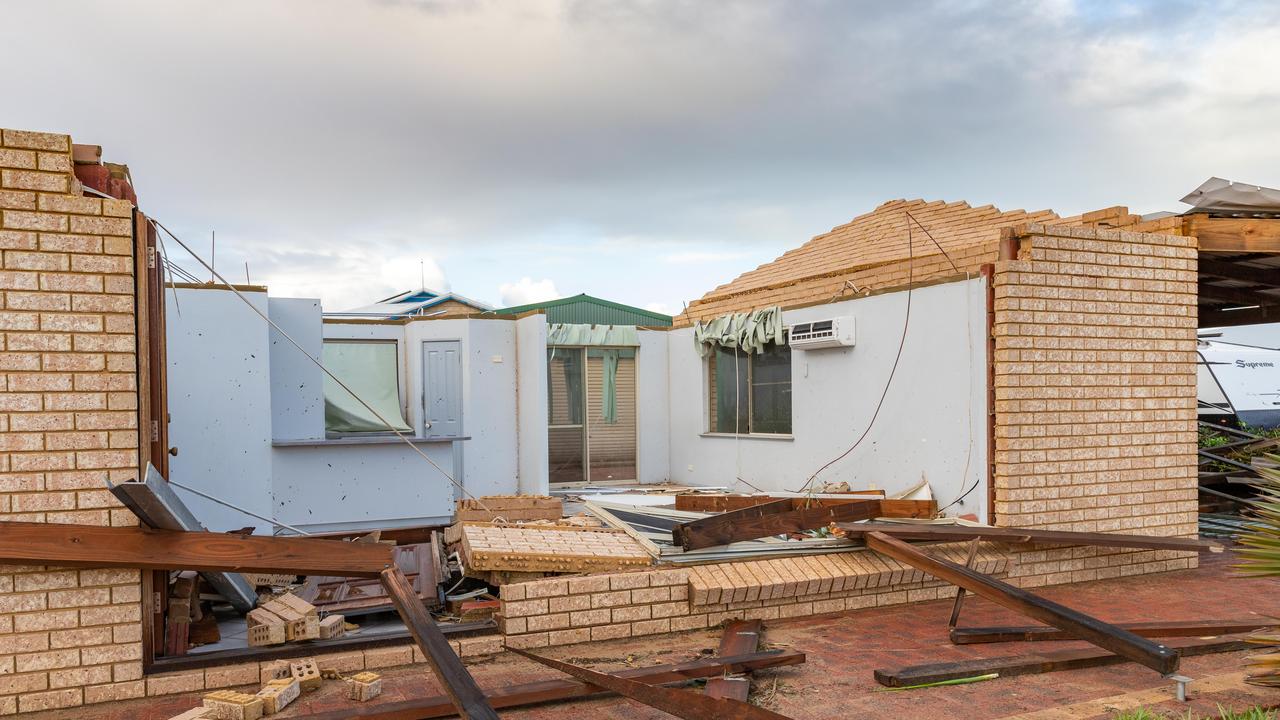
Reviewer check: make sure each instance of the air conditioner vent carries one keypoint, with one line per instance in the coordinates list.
(819, 334)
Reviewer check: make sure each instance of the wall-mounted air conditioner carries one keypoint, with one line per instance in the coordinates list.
(836, 332)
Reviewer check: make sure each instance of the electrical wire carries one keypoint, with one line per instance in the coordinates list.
(893, 371)
(398, 433)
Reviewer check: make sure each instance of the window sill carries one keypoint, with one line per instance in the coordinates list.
(745, 436)
(378, 440)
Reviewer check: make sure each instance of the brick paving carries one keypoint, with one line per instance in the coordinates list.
(844, 649)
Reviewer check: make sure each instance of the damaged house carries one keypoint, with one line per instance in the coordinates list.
(1015, 369)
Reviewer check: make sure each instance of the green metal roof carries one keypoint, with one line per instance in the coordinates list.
(587, 310)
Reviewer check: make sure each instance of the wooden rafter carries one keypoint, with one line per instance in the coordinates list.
(132, 547)
(542, 691)
(1233, 270)
(1238, 296)
(953, 533)
(1156, 629)
(772, 518)
(1106, 636)
(1237, 235)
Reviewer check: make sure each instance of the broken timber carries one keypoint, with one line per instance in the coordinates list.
(552, 690)
(89, 546)
(890, 508)
(691, 706)
(739, 637)
(1104, 635)
(952, 533)
(458, 683)
(1156, 629)
(133, 547)
(772, 518)
(1034, 663)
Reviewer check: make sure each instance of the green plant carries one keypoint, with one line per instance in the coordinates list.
(1261, 557)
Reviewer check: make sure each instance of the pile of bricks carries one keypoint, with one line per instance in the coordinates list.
(509, 508)
(283, 683)
(549, 549)
(289, 618)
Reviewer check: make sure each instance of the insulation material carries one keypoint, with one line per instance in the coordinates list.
(557, 549)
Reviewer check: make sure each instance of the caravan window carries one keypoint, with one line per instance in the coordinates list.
(750, 394)
(371, 369)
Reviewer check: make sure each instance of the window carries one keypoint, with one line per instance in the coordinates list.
(750, 393)
(371, 370)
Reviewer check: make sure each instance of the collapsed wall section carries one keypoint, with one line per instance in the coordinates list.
(1095, 395)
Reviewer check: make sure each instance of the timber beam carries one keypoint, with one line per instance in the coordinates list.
(772, 518)
(552, 690)
(461, 688)
(1109, 637)
(147, 549)
(955, 533)
(687, 705)
(1156, 629)
(1035, 663)
(1235, 235)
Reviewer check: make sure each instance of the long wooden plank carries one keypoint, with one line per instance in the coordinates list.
(775, 518)
(1154, 629)
(1034, 663)
(148, 549)
(687, 705)
(458, 683)
(554, 690)
(739, 637)
(697, 502)
(1237, 235)
(951, 533)
(1104, 635)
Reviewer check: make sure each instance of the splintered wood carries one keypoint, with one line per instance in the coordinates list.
(512, 508)
(557, 549)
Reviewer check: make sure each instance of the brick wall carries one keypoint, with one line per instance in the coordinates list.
(69, 422)
(1095, 390)
(563, 611)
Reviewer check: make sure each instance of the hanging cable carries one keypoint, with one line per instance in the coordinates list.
(317, 363)
(906, 323)
(935, 242)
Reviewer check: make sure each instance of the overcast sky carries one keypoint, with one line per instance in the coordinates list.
(640, 151)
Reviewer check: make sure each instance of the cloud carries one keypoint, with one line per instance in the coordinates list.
(470, 132)
(695, 256)
(526, 290)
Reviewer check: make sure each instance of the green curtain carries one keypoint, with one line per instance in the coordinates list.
(748, 331)
(576, 334)
(370, 369)
(609, 397)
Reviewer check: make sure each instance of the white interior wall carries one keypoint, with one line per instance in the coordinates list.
(220, 404)
(247, 414)
(531, 400)
(653, 407)
(297, 408)
(932, 424)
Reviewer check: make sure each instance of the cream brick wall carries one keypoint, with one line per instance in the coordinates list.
(564, 611)
(68, 421)
(1095, 392)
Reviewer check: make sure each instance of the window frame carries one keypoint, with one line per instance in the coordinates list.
(402, 393)
(708, 375)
